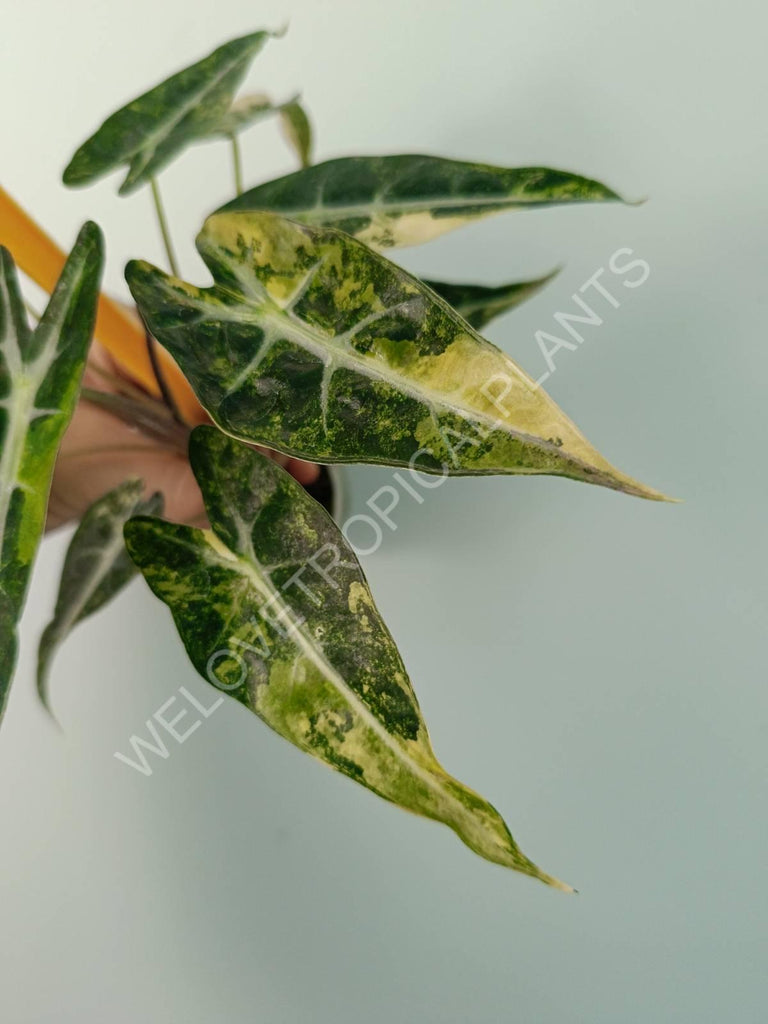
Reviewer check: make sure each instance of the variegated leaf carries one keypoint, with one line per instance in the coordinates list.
(151, 130)
(40, 373)
(96, 567)
(273, 607)
(406, 200)
(247, 111)
(312, 344)
(479, 304)
(297, 130)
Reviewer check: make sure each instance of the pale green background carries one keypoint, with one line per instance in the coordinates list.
(592, 663)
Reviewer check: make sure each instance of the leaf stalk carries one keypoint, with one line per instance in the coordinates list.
(237, 164)
(163, 223)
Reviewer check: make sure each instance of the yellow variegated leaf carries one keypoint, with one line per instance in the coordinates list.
(410, 199)
(312, 344)
(273, 607)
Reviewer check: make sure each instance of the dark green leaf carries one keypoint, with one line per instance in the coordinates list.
(96, 567)
(151, 130)
(479, 304)
(40, 373)
(273, 607)
(313, 344)
(406, 200)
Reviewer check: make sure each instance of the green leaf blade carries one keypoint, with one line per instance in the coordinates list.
(312, 344)
(151, 130)
(40, 374)
(96, 568)
(404, 200)
(273, 607)
(480, 304)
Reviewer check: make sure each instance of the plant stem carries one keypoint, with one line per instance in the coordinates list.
(122, 385)
(237, 162)
(155, 424)
(165, 391)
(159, 210)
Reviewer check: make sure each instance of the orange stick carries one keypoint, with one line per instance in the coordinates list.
(118, 329)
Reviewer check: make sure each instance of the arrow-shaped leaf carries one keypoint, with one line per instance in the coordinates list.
(40, 373)
(407, 200)
(479, 304)
(311, 343)
(149, 132)
(273, 607)
(96, 567)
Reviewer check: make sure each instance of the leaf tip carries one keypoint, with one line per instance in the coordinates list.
(618, 481)
(555, 883)
(70, 176)
(550, 880)
(651, 494)
(91, 236)
(43, 688)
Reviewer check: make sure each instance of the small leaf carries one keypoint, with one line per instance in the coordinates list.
(297, 130)
(40, 373)
(406, 200)
(96, 567)
(273, 607)
(246, 111)
(314, 345)
(480, 304)
(151, 130)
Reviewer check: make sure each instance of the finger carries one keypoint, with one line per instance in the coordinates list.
(304, 472)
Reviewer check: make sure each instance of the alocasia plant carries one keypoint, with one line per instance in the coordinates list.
(312, 343)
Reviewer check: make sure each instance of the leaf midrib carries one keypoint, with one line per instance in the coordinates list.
(248, 566)
(26, 380)
(319, 211)
(166, 128)
(334, 358)
(98, 570)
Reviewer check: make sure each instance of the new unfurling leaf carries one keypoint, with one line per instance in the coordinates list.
(40, 373)
(406, 200)
(273, 607)
(96, 567)
(311, 343)
(247, 111)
